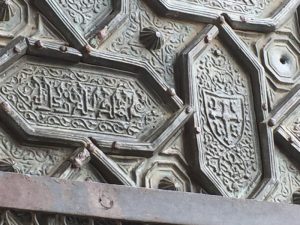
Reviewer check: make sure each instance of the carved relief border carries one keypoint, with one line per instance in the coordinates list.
(285, 118)
(186, 10)
(103, 28)
(178, 114)
(189, 94)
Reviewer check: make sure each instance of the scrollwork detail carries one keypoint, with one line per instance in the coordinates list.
(28, 160)
(83, 12)
(248, 7)
(82, 101)
(228, 136)
(127, 41)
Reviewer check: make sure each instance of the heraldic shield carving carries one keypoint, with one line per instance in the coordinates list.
(225, 116)
(182, 95)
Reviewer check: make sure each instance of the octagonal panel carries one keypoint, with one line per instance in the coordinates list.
(57, 98)
(282, 47)
(25, 20)
(228, 142)
(282, 57)
(18, 19)
(163, 172)
(166, 177)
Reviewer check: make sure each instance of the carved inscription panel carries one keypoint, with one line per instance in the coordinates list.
(87, 100)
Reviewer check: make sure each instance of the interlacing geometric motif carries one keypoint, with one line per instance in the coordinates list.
(196, 95)
(66, 98)
(229, 133)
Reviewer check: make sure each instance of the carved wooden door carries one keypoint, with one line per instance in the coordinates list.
(197, 96)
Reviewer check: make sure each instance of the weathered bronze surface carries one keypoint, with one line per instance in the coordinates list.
(197, 96)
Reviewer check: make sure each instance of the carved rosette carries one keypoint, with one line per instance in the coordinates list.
(151, 38)
(127, 43)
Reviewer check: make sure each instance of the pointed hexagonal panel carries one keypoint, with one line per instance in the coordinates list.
(228, 108)
(282, 57)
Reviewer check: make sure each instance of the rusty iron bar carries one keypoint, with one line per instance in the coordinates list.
(45, 194)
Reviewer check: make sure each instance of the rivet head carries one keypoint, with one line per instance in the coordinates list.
(198, 130)
(171, 91)
(87, 48)
(189, 109)
(217, 52)
(81, 158)
(102, 33)
(272, 122)
(243, 18)
(291, 140)
(17, 49)
(91, 147)
(63, 48)
(264, 106)
(116, 145)
(77, 163)
(5, 107)
(207, 39)
(106, 202)
(38, 44)
(221, 19)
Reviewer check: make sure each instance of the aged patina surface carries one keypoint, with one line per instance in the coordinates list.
(197, 96)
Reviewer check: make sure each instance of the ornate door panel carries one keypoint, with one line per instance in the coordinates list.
(190, 96)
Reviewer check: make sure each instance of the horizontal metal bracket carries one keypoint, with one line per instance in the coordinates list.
(44, 194)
